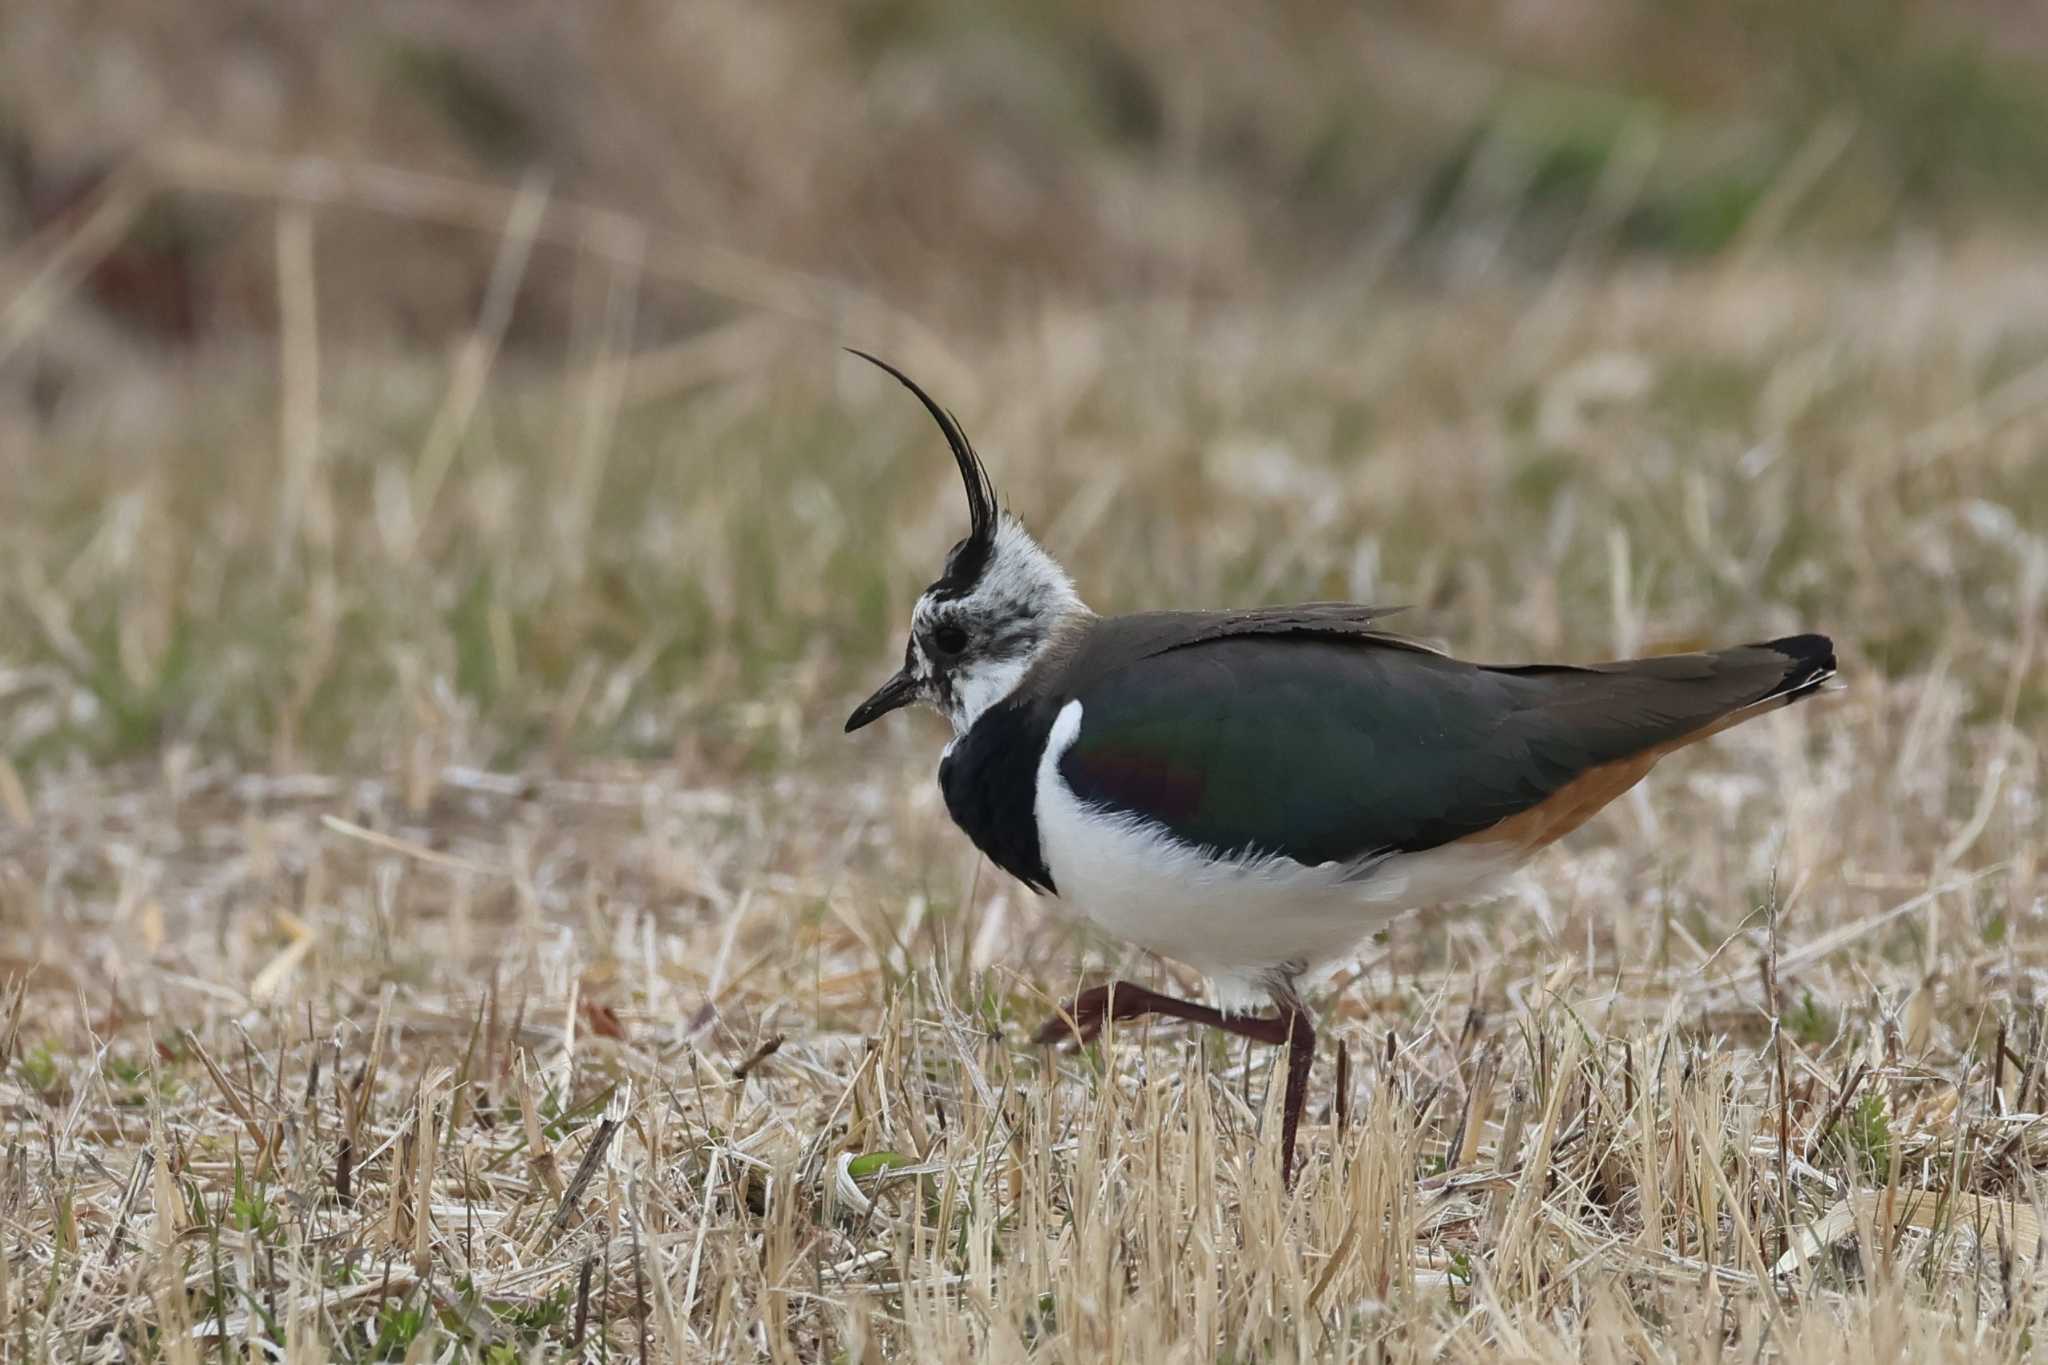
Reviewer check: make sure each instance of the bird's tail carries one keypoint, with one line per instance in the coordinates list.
(1787, 670)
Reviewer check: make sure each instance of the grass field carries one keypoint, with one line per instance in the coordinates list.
(441, 917)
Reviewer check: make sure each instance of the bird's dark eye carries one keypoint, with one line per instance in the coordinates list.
(949, 640)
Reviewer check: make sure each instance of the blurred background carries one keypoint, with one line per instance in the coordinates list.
(463, 375)
(441, 538)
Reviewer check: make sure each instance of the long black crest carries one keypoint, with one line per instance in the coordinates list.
(969, 557)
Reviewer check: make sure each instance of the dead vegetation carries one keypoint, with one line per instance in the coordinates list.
(442, 919)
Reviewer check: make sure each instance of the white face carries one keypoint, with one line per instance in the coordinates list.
(977, 631)
(970, 648)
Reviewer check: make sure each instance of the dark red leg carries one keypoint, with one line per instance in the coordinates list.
(1301, 1056)
(1120, 1000)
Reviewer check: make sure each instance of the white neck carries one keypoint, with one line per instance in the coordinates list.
(1022, 583)
(989, 683)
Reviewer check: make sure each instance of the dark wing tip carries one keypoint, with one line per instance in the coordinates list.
(1811, 662)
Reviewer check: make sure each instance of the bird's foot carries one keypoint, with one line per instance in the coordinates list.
(1081, 1021)
(1078, 1022)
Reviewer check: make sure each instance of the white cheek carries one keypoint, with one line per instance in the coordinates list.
(977, 689)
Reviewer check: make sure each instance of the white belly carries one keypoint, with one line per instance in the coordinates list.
(1246, 924)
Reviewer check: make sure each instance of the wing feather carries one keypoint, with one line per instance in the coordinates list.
(1343, 748)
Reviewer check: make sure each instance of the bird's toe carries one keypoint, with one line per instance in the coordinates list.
(1076, 1023)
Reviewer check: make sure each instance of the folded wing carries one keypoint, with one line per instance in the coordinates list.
(1344, 749)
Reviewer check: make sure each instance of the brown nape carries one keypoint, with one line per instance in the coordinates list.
(1580, 799)
(1082, 1020)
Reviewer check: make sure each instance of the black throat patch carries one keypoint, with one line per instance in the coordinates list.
(990, 781)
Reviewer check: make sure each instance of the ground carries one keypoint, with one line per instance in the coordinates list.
(441, 913)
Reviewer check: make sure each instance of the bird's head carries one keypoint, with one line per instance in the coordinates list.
(976, 631)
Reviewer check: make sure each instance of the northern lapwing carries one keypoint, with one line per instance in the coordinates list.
(1253, 793)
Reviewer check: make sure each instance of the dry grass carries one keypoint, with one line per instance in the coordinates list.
(444, 920)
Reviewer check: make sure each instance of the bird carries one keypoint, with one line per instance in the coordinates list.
(1256, 792)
